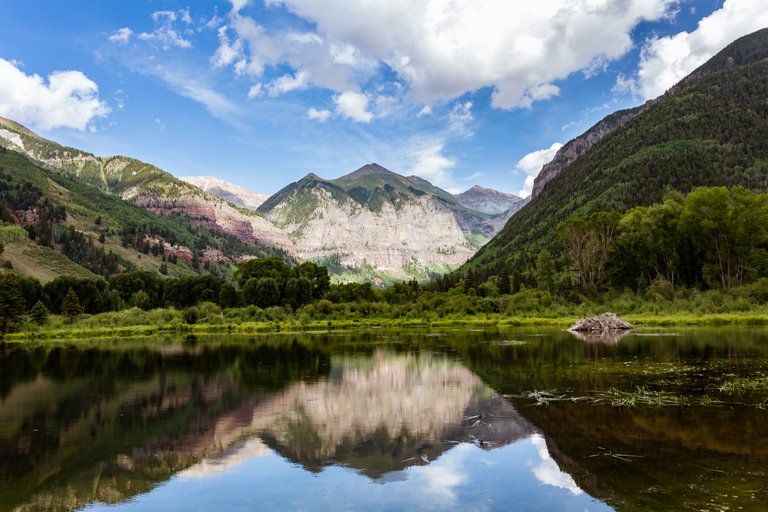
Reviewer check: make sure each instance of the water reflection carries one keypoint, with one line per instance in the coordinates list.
(382, 421)
(610, 337)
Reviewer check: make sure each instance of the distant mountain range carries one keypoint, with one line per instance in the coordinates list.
(372, 224)
(487, 200)
(235, 194)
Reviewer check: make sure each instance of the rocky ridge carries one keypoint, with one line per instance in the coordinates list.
(230, 192)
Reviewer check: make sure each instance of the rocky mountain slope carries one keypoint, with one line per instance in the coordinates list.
(746, 50)
(376, 223)
(52, 225)
(487, 200)
(230, 192)
(710, 129)
(147, 186)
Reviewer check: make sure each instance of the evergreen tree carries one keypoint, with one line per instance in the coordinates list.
(39, 313)
(545, 271)
(11, 302)
(70, 306)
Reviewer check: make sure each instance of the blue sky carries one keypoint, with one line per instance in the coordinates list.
(262, 92)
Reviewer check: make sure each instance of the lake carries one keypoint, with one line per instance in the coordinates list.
(388, 420)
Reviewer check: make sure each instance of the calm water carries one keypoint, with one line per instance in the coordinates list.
(453, 420)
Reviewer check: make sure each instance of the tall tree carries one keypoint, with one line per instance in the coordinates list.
(11, 302)
(588, 242)
(70, 305)
(545, 271)
(730, 227)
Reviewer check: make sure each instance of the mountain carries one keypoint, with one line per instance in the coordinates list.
(147, 186)
(747, 50)
(230, 192)
(374, 223)
(487, 200)
(710, 129)
(52, 225)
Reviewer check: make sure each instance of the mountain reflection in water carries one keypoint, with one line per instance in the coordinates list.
(378, 421)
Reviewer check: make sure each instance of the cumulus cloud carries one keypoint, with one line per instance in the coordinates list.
(318, 115)
(288, 83)
(353, 105)
(532, 163)
(68, 99)
(666, 60)
(122, 36)
(444, 48)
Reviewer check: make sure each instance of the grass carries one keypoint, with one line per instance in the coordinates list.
(42, 263)
(135, 322)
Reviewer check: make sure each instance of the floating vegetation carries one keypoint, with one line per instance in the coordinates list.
(621, 456)
(745, 385)
(640, 396)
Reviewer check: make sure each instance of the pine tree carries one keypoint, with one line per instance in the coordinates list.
(11, 302)
(70, 306)
(39, 313)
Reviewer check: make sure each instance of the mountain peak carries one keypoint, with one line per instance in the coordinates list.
(487, 200)
(371, 169)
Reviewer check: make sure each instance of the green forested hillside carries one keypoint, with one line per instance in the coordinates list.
(51, 225)
(710, 131)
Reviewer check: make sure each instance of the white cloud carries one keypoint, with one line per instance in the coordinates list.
(255, 91)
(227, 52)
(165, 32)
(444, 48)
(237, 5)
(548, 472)
(460, 117)
(353, 105)
(318, 115)
(427, 160)
(68, 99)
(122, 36)
(288, 83)
(666, 60)
(195, 89)
(426, 111)
(532, 163)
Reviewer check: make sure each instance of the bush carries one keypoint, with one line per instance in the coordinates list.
(190, 315)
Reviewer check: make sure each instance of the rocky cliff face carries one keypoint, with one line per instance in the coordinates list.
(378, 220)
(230, 192)
(487, 200)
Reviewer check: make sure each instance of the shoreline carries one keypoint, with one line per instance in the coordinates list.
(76, 332)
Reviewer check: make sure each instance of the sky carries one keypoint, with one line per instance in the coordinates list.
(262, 92)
